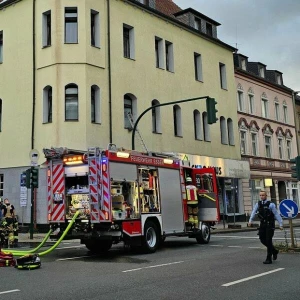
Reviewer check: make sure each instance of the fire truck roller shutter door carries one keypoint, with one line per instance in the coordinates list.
(120, 171)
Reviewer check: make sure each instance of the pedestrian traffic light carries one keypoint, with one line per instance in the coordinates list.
(211, 110)
(34, 177)
(296, 167)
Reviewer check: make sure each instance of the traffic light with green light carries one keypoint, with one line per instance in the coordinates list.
(296, 167)
(211, 110)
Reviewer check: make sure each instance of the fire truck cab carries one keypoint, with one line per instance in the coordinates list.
(138, 198)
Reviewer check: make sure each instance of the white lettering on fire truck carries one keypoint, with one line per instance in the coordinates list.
(146, 160)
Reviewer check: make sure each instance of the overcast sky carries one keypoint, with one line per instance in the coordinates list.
(267, 31)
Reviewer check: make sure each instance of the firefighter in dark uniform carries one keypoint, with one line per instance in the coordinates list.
(10, 223)
(267, 214)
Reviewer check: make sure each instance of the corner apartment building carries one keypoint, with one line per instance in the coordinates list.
(70, 76)
(268, 137)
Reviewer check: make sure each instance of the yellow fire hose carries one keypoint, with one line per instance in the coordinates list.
(29, 251)
(56, 244)
(208, 197)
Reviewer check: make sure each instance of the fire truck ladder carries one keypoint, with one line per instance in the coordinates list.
(95, 194)
(130, 118)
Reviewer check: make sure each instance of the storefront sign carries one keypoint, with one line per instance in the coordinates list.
(224, 167)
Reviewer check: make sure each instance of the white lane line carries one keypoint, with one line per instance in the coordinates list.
(75, 257)
(216, 245)
(234, 246)
(156, 266)
(11, 291)
(252, 277)
(71, 247)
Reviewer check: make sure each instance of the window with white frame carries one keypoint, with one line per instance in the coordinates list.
(128, 41)
(46, 28)
(280, 148)
(223, 130)
(240, 96)
(95, 28)
(230, 132)
(223, 80)
(130, 110)
(169, 56)
(264, 108)
(198, 67)
(262, 72)
(243, 63)
(206, 128)
(285, 114)
(1, 46)
(251, 104)
(71, 102)
(177, 120)
(71, 25)
(254, 145)
(159, 52)
(197, 24)
(288, 149)
(278, 79)
(243, 139)
(197, 125)
(95, 105)
(268, 146)
(295, 193)
(1, 185)
(277, 113)
(47, 104)
(156, 119)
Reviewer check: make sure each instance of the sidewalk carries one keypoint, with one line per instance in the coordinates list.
(24, 238)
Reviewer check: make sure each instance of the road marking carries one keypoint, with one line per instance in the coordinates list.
(252, 277)
(243, 237)
(234, 246)
(75, 257)
(155, 266)
(255, 247)
(216, 245)
(71, 247)
(11, 291)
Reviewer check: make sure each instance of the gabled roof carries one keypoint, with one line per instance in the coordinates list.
(167, 7)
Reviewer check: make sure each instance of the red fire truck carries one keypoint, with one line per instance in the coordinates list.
(128, 196)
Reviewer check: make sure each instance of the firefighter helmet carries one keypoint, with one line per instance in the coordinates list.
(188, 179)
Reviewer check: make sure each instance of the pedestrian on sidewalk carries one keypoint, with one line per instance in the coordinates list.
(267, 214)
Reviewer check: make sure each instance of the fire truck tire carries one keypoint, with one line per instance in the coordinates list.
(151, 237)
(204, 235)
(98, 246)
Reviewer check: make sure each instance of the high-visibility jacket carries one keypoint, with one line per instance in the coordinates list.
(191, 193)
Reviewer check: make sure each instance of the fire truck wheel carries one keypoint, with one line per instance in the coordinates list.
(98, 246)
(204, 235)
(151, 237)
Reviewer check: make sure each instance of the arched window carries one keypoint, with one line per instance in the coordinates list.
(177, 120)
(47, 104)
(206, 128)
(71, 102)
(230, 132)
(130, 110)
(197, 125)
(95, 104)
(223, 130)
(0, 115)
(156, 120)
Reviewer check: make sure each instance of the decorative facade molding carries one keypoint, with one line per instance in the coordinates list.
(264, 95)
(239, 87)
(284, 103)
(243, 124)
(250, 91)
(288, 133)
(254, 126)
(267, 129)
(280, 132)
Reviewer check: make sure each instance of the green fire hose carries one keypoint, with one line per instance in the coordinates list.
(20, 253)
(29, 251)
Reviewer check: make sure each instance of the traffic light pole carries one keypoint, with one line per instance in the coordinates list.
(155, 106)
(31, 213)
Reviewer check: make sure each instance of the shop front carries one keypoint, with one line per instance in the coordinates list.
(230, 174)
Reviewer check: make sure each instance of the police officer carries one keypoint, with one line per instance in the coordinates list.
(267, 214)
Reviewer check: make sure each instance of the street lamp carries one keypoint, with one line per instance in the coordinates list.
(294, 93)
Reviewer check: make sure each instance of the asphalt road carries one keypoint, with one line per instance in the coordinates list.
(230, 267)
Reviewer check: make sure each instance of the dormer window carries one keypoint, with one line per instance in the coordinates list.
(197, 24)
(262, 72)
(243, 64)
(209, 30)
(278, 79)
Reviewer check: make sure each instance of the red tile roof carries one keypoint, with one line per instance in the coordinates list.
(167, 7)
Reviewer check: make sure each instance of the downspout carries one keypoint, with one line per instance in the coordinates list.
(33, 75)
(109, 72)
